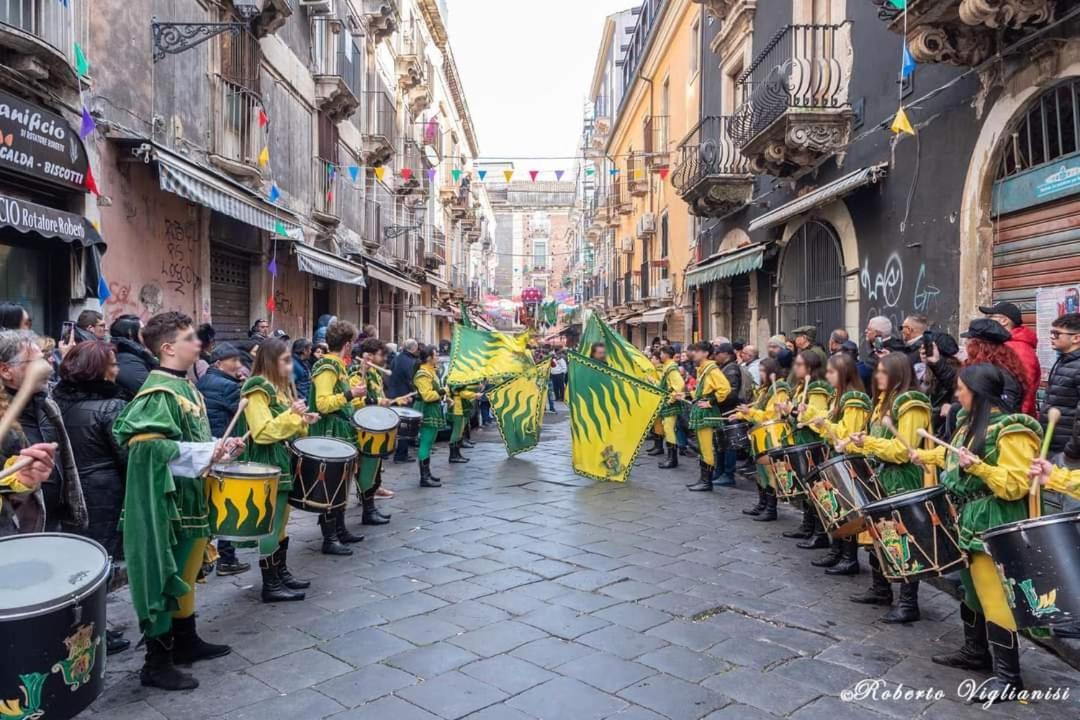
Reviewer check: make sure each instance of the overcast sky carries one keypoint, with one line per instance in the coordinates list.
(526, 68)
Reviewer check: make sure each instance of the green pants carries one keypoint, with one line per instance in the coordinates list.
(427, 440)
(365, 478)
(268, 545)
(457, 428)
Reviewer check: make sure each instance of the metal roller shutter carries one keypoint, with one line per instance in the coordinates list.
(230, 293)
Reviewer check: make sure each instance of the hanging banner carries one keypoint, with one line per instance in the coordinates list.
(1050, 304)
(40, 144)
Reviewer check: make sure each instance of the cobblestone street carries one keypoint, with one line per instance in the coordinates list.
(519, 590)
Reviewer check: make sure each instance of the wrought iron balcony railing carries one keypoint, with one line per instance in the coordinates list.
(380, 128)
(657, 141)
(337, 67)
(326, 181)
(45, 29)
(236, 138)
(711, 175)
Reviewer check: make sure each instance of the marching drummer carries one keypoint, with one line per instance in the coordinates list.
(373, 354)
(674, 387)
(711, 391)
(989, 478)
(772, 393)
(430, 394)
(274, 415)
(333, 396)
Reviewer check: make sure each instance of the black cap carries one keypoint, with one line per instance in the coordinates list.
(987, 329)
(1004, 308)
(946, 344)
(849, 347)
(724, 348)
(224, 351)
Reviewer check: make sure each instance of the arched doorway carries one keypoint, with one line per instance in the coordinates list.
(811, 286)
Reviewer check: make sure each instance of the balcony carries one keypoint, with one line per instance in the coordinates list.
(431, 140)
(796, 106)
(382, 18)
(657, 142)
(964, 32)
(326, 183)
(410, 174)
(374, 221)
(410, 62)
(38, 38)
(337, 68)
(419, 98)
(435, 249)
(380, 130)
(620, 197)
(236, 138)
(712, 176)
(637, 177)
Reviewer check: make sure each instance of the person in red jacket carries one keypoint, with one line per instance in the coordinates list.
(1023, 344)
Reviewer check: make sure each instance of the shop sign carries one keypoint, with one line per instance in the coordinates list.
(28, 217)
(1056, 180)
(39, 143)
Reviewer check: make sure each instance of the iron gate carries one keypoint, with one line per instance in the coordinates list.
(812, 280)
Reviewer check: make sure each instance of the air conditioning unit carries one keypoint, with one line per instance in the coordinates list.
(662, 290)
(646, 226)
(318, 7)
(628, 245)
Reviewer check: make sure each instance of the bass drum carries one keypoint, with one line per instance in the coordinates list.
(792, 465)
(376, 430)
(324, 468)
(736, 434)
(52, 620)
(915, 534)
(839, 488)
(410, 422)
(1037, 562)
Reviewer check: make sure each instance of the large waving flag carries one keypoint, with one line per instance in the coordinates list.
(621, 355)
(518, 406)
(610, 412)
(478, 356)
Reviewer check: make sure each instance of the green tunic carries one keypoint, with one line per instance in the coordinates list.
(980, 509)
(337, 424)
(903, 477)
(432, 411)
(160, 509)
(703, 418)
(276, 453)
(806, 435)
(670, 408)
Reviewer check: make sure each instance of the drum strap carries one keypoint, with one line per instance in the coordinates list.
(145, 437)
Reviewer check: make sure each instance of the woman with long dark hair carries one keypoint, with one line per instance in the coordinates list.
(772, 393)
(986, 344)
(14, 317)
(430, 394)
(274, 415)
(809, 391)
(908, 411)
(989, 481)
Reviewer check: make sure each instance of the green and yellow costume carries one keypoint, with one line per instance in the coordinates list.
(164, 521)
(714, 388)
(764, 410)
(818, 397)
(846, 416)
(430, 392)
(671, 384)
(331, 386)
(910, 412)
(461, 406)
(1065, 481)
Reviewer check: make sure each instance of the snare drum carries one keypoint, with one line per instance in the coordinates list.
(914, 534)
(52, 625)
(839, 488)
(376, 430)
(769, 436)
(242, 500)
(410, 422)
(736, 435)
(793, 464)
(1036, 560)
(324, 467)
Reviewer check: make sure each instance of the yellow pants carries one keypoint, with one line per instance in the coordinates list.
(982, 581)
(665, 428)
(705, 446)
(189, 558)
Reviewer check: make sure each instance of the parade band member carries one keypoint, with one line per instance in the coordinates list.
(461, 400)
(909, 412)
(771, 394)
(673, 386)
(712, 390)
(333, 396)
(847, 415)
(373, 352)
(274, 416)
(725, 358)
(989, 480)
(598, 352)
(430, 394)
(811, 392)
(165, 523)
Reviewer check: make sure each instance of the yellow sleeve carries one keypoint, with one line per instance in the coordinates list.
(934, 457)
(757, 416)
(852, 421)
(267, 429)
(893, 451)
(1009, 478)
(676, 382)
(11, 482)
(717, 385)
(769, 413)
(1064, 481)
(354, 381)
(468, 394)
(819, 401)
(425, 387)
(326, 400)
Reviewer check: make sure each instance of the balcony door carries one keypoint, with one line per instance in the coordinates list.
(811, 282)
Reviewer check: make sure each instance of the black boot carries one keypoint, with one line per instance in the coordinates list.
(880, 592)
(769, 513)
(760, 507)
(374, 490)
(907, 605)
(115, 642)
(158, 669)
(819, 540)
(273, 589)
(849, 559)
(425, 475)
(672, 458)
(657, 448)
(371, 516)
(805, 530)
(189, 648)
(455, 454)
(704, 483)
(343, 534)
(282, 565)
(330, 544)
(975, 653)
(1006, 683)
(831, 558)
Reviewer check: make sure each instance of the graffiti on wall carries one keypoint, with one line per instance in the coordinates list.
(178, 266)
(282, 303)
(884, 292)
(149, 301)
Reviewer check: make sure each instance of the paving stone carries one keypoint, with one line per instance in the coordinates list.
(432, 660)
(366, 646)
(589, 580)
(593, 561)
(508, 673)
(694, 635)
(298, 670)
(543, 590)
(751, 652)
(366, 684)
(505, 579)
(674, 698)
(422, 629)
(470, 614)
(683, 663)
(132, 711)
(452, 695)
(565, 698)
(584, 601)
(459, 590)
(219, 695)
(514, 602)
(630, 590)
(752, 687)
(622, 642)
(497, 638)
(440, 575)
(551, 652)
(606, 672)
(339, 623)
(633, 616)
(267, 643)
(479, 566)
(387, 707)
(499, 712)
(304, 703)
(830, 708)
(406, 606)
(735, 711)
(551, 568)
(562, 621)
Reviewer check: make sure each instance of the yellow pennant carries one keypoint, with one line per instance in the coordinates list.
(264, 157)
(638, 173)
(901, 124)
(508, 174)
(379, 172)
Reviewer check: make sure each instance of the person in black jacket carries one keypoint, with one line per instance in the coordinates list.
(725, 357)
(133, 359)
(942, 371)
(301, 364)
(400, 383)
(1063, 385)
(89, 399)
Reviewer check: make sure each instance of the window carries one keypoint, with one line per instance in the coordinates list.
(664, 245)
(695, 48)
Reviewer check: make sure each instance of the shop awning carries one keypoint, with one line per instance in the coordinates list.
(730, 264)
(194, 183)
(388, 275)
(327, 265)
(822, 196)
(631, 319)
(657, 315)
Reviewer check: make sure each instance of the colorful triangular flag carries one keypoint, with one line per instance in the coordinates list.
(508, 174)
(279, 228)
(899, 4)
(481, 174)
(456, 174)
(379, 173)
(264, 119)
(271, 304)
(87, 127)
(264, 157)
(274, 193)
(431, 175)
(639, 173)
(406, 174)
(272, 267)
(559, 174)
(91, 183)
(533, 174)
(663, 172)
(901, 124)
(907, 67)
(82, 65)
(590, 171)
(103, 291)
(613, 172)
(354, 172)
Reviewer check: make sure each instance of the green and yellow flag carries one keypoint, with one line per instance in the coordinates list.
(465, 319)
(518, 406)
(621, 355)
(610, 412)
(479, 355)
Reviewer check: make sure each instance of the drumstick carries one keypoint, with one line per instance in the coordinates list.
(36, 374)
(16, 467)
(924, 434)
(1035, 492)
(888, 423)
(235, 418)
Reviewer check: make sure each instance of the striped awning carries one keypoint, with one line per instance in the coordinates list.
(657, 315)
(194, 183)
(388, 275)
(731, 264)
(327, 265)
(822, 196)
